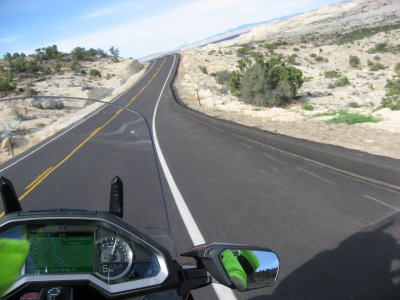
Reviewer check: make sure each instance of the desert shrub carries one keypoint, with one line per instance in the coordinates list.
(332, 74)
(57, 67)
(377, 67)
(29, 91)
(95, 73)
(203, 69)
(354, 61)
(114, 59)
(78, 53)
(74, 66)
(365, 32)
(223, 77)
(392, 96)
(296, 49)
(292, 59)
(319, 59)
(307, 106)
(397, 69)
(342, 81)
(242, 52)
(353, 104)
(343, 116)
(114, 51)
(266, 83)
(313, 55)
(384, 47)
(17, 65)
(380, 47)
(377, 57)
(6, 87)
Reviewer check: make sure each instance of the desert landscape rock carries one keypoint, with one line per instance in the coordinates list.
(25, 123)
(306, 37)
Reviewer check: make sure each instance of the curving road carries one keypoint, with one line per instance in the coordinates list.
(337, 235)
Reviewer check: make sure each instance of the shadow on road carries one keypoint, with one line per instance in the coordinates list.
(364, 266)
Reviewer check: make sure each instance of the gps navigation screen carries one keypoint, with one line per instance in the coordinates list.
(60, 252)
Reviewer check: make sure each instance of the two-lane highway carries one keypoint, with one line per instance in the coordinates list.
(337, 236)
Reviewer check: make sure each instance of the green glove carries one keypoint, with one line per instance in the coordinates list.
(234, 270)
(12, 257)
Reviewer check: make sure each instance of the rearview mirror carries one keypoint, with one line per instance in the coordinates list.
(249, 269)
(243, 267)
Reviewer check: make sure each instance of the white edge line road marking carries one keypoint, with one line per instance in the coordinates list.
(191, 226)
(383, 203)
(315, 175)
(274, 158)
(77, 124)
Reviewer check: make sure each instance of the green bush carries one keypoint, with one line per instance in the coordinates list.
(57, 67)
(223, 77)
(307, 106)
(313, 55)
(78, 53)
(353, 104)
(332, 74)
(242, 52)
(365, 32)
(292, 59)
(354, 61)
(296, 49)
(377, 67)
(29, 91)
(203, 69)
(6, 87)
(95, 73)
(342, 81)
(392, 96)
(266, 83)
(319, 59)
(384, 47)
(74, 66)
(352, 118)
(397, 69)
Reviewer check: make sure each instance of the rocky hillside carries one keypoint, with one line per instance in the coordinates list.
(347, 54)
(82, 73)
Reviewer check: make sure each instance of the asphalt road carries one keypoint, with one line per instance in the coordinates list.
(337, 235)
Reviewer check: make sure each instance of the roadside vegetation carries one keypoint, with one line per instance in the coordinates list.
(17, 70)
(344, 116)
(392, 96)
(364, 33)
(263, 83)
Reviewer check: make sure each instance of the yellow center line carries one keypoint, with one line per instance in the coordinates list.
(50, 170)
(38, 178)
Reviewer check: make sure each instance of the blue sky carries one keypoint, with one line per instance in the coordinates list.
(136, 28)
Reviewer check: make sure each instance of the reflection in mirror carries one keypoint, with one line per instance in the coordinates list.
(250, 269)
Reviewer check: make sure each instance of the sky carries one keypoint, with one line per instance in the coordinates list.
(137, 28)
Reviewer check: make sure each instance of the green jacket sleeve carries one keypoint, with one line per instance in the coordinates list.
(252, 259)
(233, 267)
(12, 256)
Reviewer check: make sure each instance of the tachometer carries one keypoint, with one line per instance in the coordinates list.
(114, 257)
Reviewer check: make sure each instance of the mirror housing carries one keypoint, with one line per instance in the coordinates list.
(213, 257)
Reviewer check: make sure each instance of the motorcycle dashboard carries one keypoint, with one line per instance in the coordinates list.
(95, 251)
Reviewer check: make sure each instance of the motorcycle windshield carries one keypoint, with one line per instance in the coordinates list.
(63, 152)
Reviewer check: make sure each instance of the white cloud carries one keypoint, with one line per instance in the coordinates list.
(9, 39)
(190, 22)
(110, 10)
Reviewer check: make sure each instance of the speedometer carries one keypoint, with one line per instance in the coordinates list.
(114, 257)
